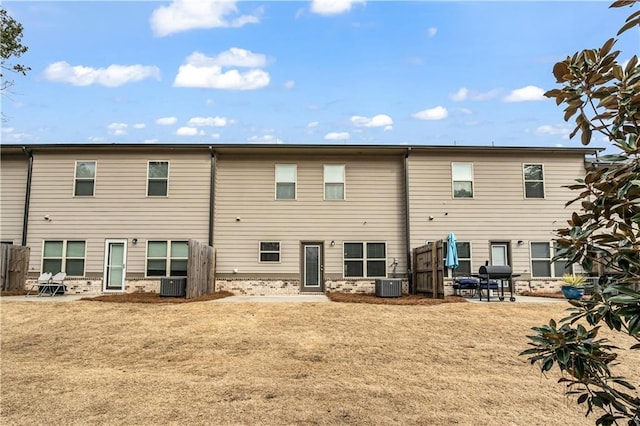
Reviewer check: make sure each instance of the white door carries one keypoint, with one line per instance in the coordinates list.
(115, 268)
(499, 256)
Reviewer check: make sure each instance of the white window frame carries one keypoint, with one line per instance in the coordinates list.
(168, 258)
(64, 258)
(295, 182)
(552, 265)
(343, 182)
(454, 180)
(524, 182)
(76, 178)
(260, 251)
(364, 259)
(167, 178)
(470, 258)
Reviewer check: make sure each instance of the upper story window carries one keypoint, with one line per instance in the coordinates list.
(269, 251)
(462, 179)
(167, 258)
(158, 178)
(365, 259)
(64, 256)
(286, 175)
(334, 182)
(85, 179)
(533, 181)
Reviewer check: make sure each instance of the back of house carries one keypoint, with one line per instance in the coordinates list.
(284, 219)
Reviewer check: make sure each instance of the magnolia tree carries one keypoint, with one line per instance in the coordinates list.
(601, 96)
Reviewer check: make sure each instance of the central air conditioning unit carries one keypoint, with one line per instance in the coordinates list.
(173, 287)
(388, 287)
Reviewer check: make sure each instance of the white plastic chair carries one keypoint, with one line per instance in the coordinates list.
(42, 282)
(57, 284)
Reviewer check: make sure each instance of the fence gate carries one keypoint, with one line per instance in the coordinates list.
(201, 269)
(14, 263)
(428, 267)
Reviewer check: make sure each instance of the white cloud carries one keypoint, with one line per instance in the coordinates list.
(234, 57)
(555, 130)
(289, 84)
(264, 139)
(139, 126)
(380, 120)
(437, 113)
(432, 31)
(525, 94)
(150, 141)
(166, 121)
(189, 131)
(313, 124)
(96, 139)
(465, 111)
(336, 136)
(209, 122)
(206, 72)
(332, 7)
(209, 102)
(118, 129)
(464, 94)
(215, 135)
(112, 76)
(460, 95)
(388, 128)
(185, 15)
(7, 130)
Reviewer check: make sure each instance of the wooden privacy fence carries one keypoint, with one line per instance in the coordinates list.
(201, 269)
(14, 264)
(428, 269)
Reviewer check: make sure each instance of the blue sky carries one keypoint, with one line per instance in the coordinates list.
(321, 72)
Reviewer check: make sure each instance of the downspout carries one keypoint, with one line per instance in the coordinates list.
(407, 224)
(27, 196)
(212, 194)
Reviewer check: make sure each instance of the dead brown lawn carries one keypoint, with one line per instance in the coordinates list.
(279, 363)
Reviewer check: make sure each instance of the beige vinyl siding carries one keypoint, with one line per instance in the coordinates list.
(119, 208)
(499, 210)
(13, 184)
(373, 210)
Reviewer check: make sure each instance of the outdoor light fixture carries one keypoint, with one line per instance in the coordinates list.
(333, 243)
(134, 241)
(520, 242)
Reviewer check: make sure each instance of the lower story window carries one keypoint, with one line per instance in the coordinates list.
(542, 264)
(167, 258)
(269, 251)
(64, 256)
(365, 259)
(464, 257)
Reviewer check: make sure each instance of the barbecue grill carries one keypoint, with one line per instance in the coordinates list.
(489, 274)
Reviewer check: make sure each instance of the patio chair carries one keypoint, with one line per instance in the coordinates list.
(55, 285)
(465, 284)
(43, 280)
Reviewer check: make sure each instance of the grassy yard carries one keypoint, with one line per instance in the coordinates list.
(317, 364)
